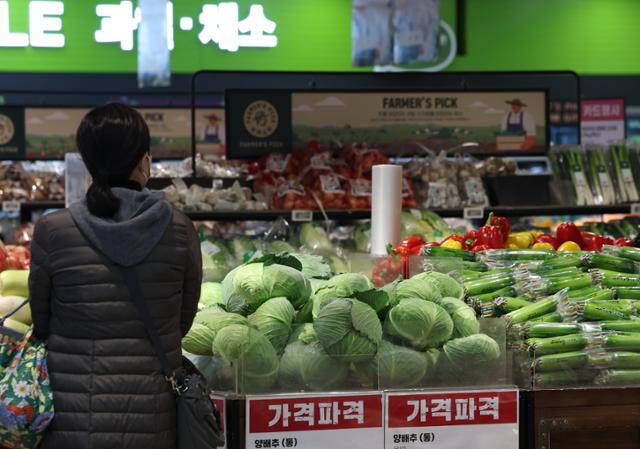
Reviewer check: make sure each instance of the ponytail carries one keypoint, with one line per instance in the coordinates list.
(112, 140)
(100, 199)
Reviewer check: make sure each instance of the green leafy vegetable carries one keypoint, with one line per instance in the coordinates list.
(273, 319)
(210, 295)
(416, 288)
(348, 329)
(340, 286)
(447, 285)
(251, 353)
(464, 318)
(306, 365)
(199, 340)
(421, 324)
(249, 286)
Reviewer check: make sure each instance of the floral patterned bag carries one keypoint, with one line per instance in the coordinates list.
(26, 402)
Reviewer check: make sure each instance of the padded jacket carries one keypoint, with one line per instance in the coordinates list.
(109, 391)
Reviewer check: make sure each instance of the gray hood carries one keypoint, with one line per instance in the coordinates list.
(128, 237)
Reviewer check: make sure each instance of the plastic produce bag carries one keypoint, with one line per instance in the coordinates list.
(371, 32)
(416, 24)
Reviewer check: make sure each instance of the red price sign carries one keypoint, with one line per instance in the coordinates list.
(479, 419)
(315, 421)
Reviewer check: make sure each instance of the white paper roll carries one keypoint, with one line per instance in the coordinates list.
(386, 207)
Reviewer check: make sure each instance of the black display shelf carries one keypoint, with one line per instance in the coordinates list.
(270, 215)
(344, 215)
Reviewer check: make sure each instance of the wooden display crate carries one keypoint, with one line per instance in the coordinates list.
(586, 418)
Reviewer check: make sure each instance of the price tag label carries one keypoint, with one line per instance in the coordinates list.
(220, 403)
(312, 421)
(473, 213)
(11, 207)
(635, 208)
(450, 419)
(301, 215)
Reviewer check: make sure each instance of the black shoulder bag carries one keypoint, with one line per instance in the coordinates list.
(198, 418)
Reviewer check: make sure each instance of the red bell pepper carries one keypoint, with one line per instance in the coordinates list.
(594, 242)
(568, 231)
(623, 241)
(547, 238)
(478, 248)
(490, 235)
(502, 222)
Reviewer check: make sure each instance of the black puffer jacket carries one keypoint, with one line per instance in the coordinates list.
(109, 392)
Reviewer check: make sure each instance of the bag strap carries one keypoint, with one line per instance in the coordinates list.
(135, 291)
(13, 312)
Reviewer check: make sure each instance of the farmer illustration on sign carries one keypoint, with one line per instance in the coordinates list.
(214, 130)
(518, 128)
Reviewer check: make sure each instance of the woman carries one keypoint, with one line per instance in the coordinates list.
(109, 392)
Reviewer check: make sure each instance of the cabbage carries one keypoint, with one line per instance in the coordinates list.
(10, 303)
(210, 295)
(338, 265)
(199, 340)
(249, 286)
(242, 249)
(447, 285)
(340, 286)
(412, 225)
(416, 288)
(348, 329)
(399, 367)
(216, 319)
(464, 318)
(313, 266)
(277, 246)
(431, 358)
(306, 365)
(315, 238)
(14, 283)
(362, 237)
(273, 319)
(468, 359)
(420, 323)
(216, 260)
(251, 353)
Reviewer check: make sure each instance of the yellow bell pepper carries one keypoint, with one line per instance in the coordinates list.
(569, 246)
(454, 244)
(543, 245)
(512, 246)
(521, 240)
(536, 234)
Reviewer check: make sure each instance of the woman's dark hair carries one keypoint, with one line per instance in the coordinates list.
(112, 140)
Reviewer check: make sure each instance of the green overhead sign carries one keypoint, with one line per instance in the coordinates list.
(588, 36)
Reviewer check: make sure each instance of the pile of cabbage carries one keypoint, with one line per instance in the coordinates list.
(286, 322)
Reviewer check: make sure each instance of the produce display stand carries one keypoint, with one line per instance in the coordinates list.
(584, 417)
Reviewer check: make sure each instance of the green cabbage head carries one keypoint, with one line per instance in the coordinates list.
(199, 340)
(447, 285)
(305, 365)
(348, 329)
(468, 359)
(340, 286)
(216, 319)
(464, 318)
(422, 324)
(415, 288)
(251, 353)
(249, 286)
(273, 319)
(399, 366)
(210, 295)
